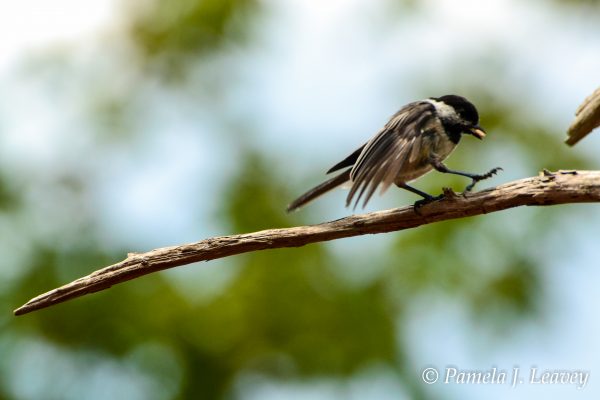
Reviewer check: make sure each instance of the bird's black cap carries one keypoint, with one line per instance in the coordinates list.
(463, 107)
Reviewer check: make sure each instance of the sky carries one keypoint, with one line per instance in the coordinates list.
(326, 56)
(29, 25)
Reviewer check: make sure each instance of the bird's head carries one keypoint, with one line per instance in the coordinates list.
(459, 115)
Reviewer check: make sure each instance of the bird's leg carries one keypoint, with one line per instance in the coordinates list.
(427, 198)
(441, 167)
(481, 177)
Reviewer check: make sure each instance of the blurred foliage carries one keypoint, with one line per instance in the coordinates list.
(593, 4)
(169, 33)
(283, 316)
(9, 197)
(286, 315)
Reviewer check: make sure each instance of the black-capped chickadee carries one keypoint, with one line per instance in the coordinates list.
(413, 142)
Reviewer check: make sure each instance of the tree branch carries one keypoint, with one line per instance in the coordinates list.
(587, 118)
(546, 189)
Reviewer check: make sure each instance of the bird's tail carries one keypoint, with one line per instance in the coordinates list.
(319, 190)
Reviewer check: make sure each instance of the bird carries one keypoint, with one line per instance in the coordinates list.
(416, 140)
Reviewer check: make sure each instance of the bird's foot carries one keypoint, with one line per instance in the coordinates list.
(477, 178)
(426, 200)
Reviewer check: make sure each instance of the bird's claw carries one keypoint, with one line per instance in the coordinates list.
(477, 178)
(426, 200)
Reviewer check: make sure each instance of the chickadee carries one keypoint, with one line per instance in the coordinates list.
(413, 142)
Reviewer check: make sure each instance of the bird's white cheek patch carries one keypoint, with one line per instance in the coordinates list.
(443, 109)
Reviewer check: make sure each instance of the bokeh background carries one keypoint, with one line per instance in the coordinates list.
(127, 125)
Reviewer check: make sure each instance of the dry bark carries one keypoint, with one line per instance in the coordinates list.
(587, 118)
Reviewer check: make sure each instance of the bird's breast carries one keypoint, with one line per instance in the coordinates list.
(432, 145)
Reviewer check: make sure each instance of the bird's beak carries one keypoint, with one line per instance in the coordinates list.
(477, 131)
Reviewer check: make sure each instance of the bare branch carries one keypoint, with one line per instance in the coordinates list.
(587, 118)
(546, 189)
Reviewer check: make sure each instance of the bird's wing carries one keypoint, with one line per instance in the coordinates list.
(383, 156)
(348, 161)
